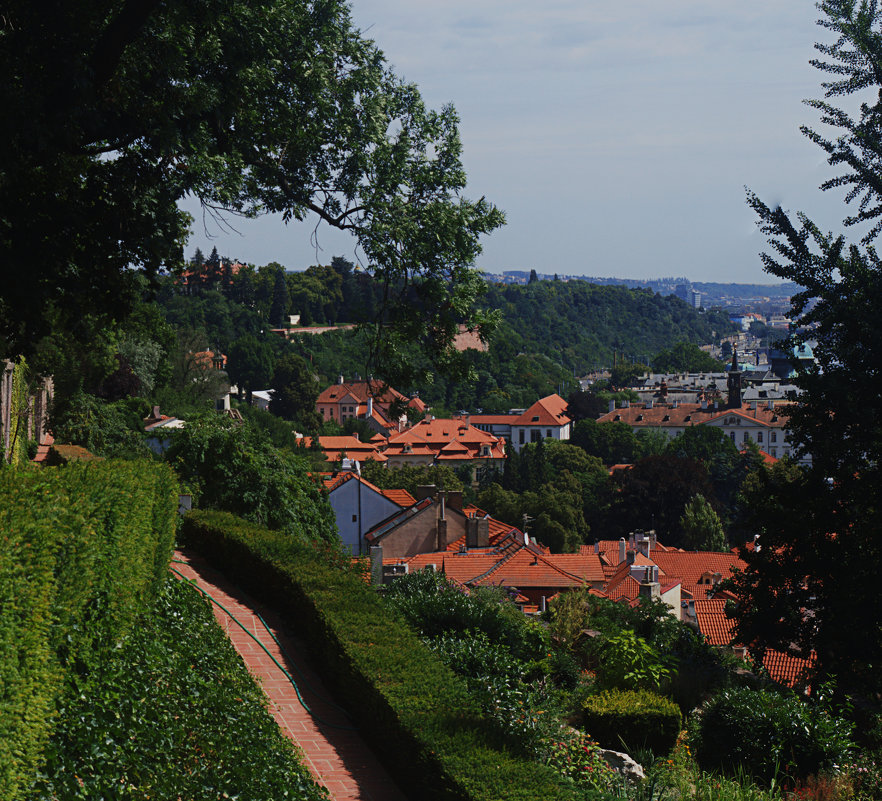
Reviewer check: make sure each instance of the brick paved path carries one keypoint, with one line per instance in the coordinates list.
(338, 759)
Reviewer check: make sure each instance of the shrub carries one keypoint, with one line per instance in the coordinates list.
(204, 708)
(433, 605)
(426, 728)
(627, 662)
(83, 549)
(633, 719)
(769, 734)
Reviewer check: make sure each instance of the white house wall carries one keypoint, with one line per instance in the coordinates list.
(374, 509)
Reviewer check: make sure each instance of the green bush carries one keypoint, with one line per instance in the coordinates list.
(633, 720)
(418, 714)
(205, 732)
(83, 549)
(433, 605)
(769, 734)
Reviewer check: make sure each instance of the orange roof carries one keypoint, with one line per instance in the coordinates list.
(686, 414)
(399, 497)
(710, 614)
(445, 439)
(335, 448)
(360, 391)
(787, 669)
(697, 569)
(526, 568)
(548, 411)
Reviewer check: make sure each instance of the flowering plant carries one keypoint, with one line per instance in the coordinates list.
(576, 756)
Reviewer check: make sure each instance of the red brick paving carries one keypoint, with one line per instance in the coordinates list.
(339, 759)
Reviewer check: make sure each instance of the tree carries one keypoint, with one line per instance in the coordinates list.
(279, 309)
(250, 364)
(812, 586)
(654, 493)
(251, 107)
(684, 357)
(584, 405)
(234, 468)
(701, 526)
(612, 443)
(295, 391)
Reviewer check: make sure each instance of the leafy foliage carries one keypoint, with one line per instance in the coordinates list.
(633, 718)
(766, 734)
(251, 108)
(702, 530)
(235, 468)
(204, 707)
(418, 713)
(831, 537)
(83, 549)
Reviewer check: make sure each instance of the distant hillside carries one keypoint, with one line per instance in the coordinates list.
(580, 325)
(664, 286)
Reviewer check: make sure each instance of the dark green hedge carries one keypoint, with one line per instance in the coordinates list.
(415, 711)
(83, 549)
(633, 720)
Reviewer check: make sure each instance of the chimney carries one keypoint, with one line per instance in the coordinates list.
(454, 499)
(370, 407)
(622, 550)
(477, 532)
(649, 587)
(704, 403)
(675, 404)
(156, 415)
(340, 379)
(771, 405)
(612, 406)
(425, 491)
(597, 547)
(377, 565)
(649, 404)
(441, 544)
(753, 406)
(631, 556)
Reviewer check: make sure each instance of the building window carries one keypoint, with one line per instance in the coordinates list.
(747, 436)
(535, 435)
(773, 437)
(548, 434)
(521, 436)
(732, 436)
(759, 436)
(354, 518)
(774, 453)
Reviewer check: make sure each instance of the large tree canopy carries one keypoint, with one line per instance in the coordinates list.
(811, 587)
(123, 107)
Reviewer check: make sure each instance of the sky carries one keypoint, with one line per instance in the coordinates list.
(617, 137)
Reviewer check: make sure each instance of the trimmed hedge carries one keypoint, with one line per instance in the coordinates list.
(413, 709)
(636, 718)
(83, 550)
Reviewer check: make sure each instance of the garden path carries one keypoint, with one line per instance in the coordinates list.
(338, 759)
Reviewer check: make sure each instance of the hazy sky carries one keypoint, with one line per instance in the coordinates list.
(617, 137)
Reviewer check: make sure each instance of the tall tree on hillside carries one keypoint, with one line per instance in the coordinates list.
(250, 364)
(295, 391)
(813, 585)
(260, 106)
(279, 308)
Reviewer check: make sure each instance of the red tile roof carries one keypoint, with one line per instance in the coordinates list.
(696, 569)
(685, 414)
(710, 613)
(548, 411)
(399, 497)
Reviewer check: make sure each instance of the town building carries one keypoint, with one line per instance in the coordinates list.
(545, 419)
